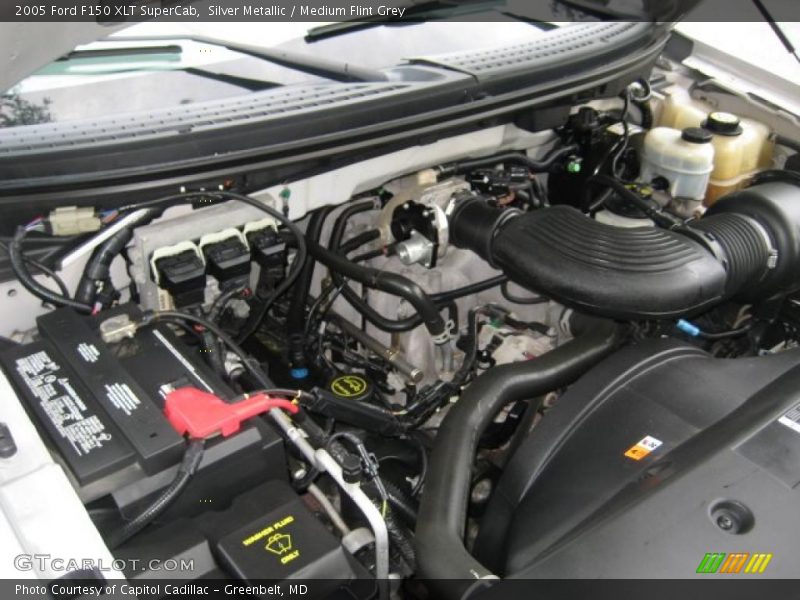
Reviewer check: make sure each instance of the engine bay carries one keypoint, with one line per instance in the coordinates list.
(494, 355)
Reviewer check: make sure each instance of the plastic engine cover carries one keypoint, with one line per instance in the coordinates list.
(640, 455)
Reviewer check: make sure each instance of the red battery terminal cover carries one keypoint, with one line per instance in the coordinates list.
(202, 415)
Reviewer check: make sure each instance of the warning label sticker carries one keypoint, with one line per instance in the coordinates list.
(88, 352)
(62, 405)
(643, 447)
(122, 397)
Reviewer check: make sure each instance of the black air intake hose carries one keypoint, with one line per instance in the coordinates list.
(441, 555)
(775, 206)
(747, 245)
(743, 247)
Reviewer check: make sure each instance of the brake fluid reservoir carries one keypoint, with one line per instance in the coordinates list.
(685, 159)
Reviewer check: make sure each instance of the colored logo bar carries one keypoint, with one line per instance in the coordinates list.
(734, 562)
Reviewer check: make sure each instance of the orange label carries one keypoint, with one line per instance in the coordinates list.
(642, 448)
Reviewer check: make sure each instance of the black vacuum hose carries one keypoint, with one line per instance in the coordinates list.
(355, 300)
(441, 554)
(355, 242)
(296, 315)
(340, 224)
(20, 269)
(517, 158)
(388, 282)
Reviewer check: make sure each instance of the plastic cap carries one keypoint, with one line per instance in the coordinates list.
(299, 373)
(723, 123)
(696, 135)
(688, 328)
(351, 468)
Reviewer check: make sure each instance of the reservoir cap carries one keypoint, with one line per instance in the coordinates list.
(723, 123)
(351, 386)
(696, 135)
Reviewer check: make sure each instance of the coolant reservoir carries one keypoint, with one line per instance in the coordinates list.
(741, 148)
(684, 158)
(679, 110)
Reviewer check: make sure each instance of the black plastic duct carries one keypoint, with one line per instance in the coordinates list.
(441, 554)
(747, 244)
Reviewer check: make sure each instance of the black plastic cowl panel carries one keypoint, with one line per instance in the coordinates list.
(609, 271)
(567, 50)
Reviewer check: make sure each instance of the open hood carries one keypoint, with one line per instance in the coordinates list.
(23, 52)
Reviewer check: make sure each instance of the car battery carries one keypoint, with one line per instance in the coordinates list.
(100, 406)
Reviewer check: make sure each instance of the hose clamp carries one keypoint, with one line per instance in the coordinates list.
(707, 240)
(357, 540)
(442, 338)
(772, 251)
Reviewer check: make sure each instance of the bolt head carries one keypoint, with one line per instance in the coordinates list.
(725, 522)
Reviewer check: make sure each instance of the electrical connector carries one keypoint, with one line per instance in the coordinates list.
(183, 275)
(73, 220)
(688, 328)
(200, 414)
(268, 249)
(116, 329)
(228, 261)
(269, 252)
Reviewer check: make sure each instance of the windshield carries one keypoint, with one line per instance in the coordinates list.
(148, 66)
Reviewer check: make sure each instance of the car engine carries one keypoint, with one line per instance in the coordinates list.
(490, 356)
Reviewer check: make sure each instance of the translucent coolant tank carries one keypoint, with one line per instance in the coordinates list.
(741, 146)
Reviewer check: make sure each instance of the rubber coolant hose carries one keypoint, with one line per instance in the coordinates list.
(441, 554)
(296, 315)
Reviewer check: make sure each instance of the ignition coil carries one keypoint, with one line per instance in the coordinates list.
(269, 251)
(181, 271)
(228, 258)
